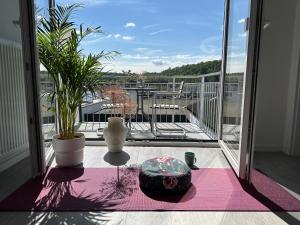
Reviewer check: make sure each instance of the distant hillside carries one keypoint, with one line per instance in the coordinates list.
(193, 69)
(165, 75)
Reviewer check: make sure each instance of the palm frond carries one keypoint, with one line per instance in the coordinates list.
(74, 75)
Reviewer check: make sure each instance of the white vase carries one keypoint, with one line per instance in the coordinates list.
(115, 134)
(69, 152)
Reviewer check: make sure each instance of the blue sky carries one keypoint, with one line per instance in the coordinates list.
(152, 35)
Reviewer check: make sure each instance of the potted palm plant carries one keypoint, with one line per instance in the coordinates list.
(73, 75)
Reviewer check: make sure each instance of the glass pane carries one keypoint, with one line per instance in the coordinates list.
(13, 116)
(234, 75)
(46, 88)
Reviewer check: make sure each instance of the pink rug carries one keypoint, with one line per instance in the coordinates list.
(95, 189)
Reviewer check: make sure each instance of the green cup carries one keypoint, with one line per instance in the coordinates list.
(190, 158)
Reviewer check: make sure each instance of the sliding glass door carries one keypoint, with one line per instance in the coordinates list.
(14, 140)
(237, 80)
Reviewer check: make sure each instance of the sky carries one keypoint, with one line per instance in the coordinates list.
(152, 35)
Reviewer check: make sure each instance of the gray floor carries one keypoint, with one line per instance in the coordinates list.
(206, 157)
(284, 169)
(139, 130)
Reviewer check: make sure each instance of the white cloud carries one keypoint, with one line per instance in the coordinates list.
(212, 45)
(78, 31)
(160, 31)
(130, 24)
(186, 56)
(127, 38)
(136, 56)
(153, 63)
(141, 49)
(95, 38)
(154, 51)
(148, 51)
(151, 26)
(159, 62)
(243, 35)
(243, 20)
(180, 58)
(93, 41)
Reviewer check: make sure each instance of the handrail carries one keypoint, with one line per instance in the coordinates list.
(176, 76)
(200, 100)
(199, 75)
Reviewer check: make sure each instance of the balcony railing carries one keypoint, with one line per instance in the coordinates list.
(193, 116)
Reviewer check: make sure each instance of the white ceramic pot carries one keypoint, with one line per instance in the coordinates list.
(115, 134)
(69, 152)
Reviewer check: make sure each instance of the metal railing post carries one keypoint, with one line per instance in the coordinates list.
(202, 86)
(173, 99)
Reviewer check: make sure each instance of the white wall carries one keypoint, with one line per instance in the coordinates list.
(274, 74)
(9, 12)
(292, 140)
(292, 131)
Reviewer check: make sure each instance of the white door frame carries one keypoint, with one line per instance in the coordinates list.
(242, 165)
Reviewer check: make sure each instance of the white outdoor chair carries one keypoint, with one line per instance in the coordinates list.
(171, 96)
